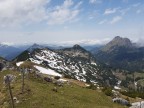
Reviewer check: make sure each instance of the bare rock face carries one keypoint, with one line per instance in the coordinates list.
(121, 41)
(76, 51)
(118, 42)
(2, 63)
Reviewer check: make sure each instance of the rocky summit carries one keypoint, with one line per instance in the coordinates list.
(122, 53)
(117, 42)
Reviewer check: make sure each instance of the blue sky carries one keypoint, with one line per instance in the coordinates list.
(70, 21)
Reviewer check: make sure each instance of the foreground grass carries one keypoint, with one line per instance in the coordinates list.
(39, 94)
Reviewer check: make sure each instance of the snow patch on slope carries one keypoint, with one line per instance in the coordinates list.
(76, 68)
(19, 63)
(47, 71)
(117, 88)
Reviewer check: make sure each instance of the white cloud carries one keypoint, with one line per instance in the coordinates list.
(50, 36)
(95, 1)
(64, 13)
(91, 17)
(140, 42)
(7, 43)
(84, 42)
(138, 11)
(103, 21)
(115, 19)
(19, 12)
(124, 11)
(13, 12)
(110, 11)
(136, 4)
(78, 5)
(125, 1)
(66, 27)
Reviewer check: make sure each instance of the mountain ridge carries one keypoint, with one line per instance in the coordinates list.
(9, 52)
(75, 62)
(122, 53)
(118, 42)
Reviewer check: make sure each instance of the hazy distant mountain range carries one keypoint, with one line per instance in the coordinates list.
(118, 53)
(10, 52)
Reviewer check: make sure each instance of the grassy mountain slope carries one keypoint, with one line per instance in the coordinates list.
(39, 94)
(23, 56)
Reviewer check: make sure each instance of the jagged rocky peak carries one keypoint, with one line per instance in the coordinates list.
(35, 46)
(121, 41)
(76, 51)
(118, 42)
(76, 46)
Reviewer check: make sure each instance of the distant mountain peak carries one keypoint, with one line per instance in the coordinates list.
(35, 46)
(117, 37)
(118, 42)
(76, 46)
(123, 54)
(121, 41)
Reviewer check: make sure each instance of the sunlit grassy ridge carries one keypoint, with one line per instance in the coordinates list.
(39, 94)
